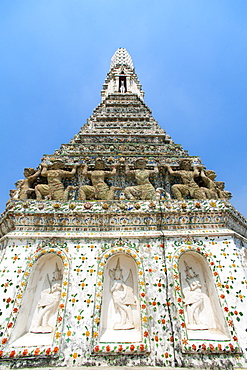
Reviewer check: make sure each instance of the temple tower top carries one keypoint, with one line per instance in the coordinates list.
(121, 57)
(122, 79)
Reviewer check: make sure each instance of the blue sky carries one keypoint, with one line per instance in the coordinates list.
(190, 57)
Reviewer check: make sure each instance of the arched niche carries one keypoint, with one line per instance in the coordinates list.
(204, 316)
(120, 315)
(36, 320)
(122, 85)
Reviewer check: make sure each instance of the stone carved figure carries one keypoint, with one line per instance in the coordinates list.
(123, 297)
(47, 304)
(189, 187)
(209, 186)
(13, 196)
(193, 299)
(99, 189)
(54, 189)
(144, 190)
(26, 187)
(222, 193)
(14, 193)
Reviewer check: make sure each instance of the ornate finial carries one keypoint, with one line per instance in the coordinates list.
(121, 78)
(121, 57)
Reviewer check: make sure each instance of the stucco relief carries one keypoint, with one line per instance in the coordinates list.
(120, 308)
(203, 315)
(47, 304)
(123, 297)
(37, 317)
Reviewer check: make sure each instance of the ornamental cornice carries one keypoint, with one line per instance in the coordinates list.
(121, 216)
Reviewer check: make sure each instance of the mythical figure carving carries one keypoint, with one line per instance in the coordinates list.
(123, 297)
(144, 190)
(99, 189)
(222, 193)
(14, 193)
(209, 186)
(189, 187)
(55, 188)
(193, 299)
(26, 187)
(48, 304)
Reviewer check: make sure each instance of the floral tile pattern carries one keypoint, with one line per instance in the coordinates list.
(164, 335)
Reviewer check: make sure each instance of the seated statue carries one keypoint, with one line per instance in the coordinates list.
(99, 189)
(209, 186)
(189, 188)
(144, 190)
(222, 194)
(54, 189)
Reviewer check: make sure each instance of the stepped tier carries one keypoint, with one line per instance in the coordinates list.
(122, 125)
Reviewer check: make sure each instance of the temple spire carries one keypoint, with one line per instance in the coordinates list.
(121, 57)
(122, 79)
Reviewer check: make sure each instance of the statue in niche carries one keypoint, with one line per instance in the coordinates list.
(26, 188)
(99, 189)
(54, 189)
(193, 299)
(222, 193)
(144, 190)
(48, 304)
(208, 184)
(123, 297)
(122, 87)
(189, 187)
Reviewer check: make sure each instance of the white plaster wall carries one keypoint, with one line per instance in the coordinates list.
(75, 334)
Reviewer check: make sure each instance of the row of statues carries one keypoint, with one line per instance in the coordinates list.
(192, 183)
(196, 183)
(121, 293)
(196, 301)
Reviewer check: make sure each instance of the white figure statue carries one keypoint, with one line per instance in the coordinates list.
(193, 300)
(122, 87)
(123, 297)
(47, 305)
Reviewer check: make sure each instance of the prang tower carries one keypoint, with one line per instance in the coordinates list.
(122, 249)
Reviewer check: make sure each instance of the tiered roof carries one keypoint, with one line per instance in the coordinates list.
(120, 130)
(122, 125)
